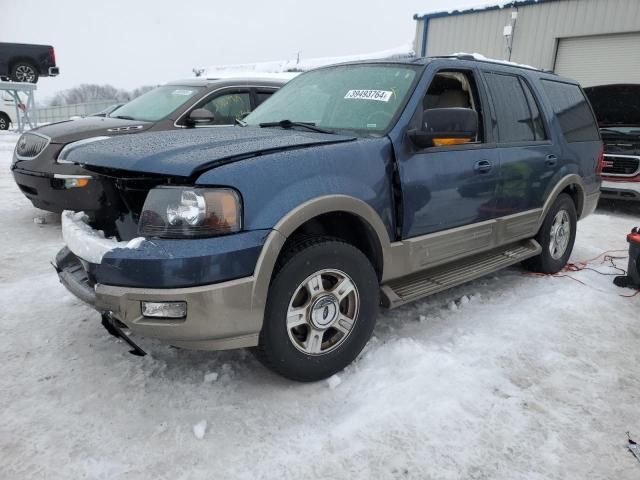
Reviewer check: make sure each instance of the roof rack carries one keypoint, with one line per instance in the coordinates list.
(477, 57)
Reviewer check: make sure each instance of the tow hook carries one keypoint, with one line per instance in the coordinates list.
(111, 325)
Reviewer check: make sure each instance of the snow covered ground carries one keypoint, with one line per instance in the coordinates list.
(508, 377)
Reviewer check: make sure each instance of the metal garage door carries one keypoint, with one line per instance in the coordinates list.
(600, 59)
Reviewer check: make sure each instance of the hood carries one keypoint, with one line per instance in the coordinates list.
(615, 104)
(185, 152)
(73, 130)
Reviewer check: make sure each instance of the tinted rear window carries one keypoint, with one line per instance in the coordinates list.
(573, 111)
(517, 112)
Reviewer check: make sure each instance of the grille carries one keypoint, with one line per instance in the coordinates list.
(625, 165)
(30, 145)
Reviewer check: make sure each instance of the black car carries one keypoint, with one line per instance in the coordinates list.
(22, 62)
(43, 173)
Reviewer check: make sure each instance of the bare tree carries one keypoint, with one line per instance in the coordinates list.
(91, 93)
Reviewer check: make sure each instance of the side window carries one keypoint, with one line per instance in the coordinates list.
(228, 107)
(262, 95)
(574, 114)
(517, 113)
(538, 124)
(454, 89)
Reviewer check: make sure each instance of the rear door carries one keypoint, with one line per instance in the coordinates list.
(444, 187)
(529, 159)
(581, 143)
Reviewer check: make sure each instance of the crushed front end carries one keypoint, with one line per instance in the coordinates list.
(191, 290)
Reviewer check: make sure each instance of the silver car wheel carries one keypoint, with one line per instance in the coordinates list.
(25, 73)
(322, 312)
(560, 234)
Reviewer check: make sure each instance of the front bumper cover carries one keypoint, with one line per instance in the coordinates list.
(219, 316)
(621, 190)
(222, 315)
(47, 192)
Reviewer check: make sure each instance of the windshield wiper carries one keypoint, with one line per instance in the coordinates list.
(242, 123)
(123, 117)
(289, 124)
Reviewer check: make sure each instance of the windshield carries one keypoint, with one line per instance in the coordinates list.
(361, 98)
(156, 104)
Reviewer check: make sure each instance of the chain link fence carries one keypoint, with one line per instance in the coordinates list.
(65, 112)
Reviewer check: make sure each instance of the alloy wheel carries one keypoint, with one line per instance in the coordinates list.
(25, 73)
(322, 312)
(560, 234)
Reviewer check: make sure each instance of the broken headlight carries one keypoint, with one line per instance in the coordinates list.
(178, 212)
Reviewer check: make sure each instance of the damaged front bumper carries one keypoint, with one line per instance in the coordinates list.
(218, 315)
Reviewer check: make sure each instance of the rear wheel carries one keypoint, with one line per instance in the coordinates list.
(321, 310)
(556, 237)
(24, 72)
(4, 121)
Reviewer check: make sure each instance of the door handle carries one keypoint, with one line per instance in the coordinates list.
(483, 166)
(551, 160)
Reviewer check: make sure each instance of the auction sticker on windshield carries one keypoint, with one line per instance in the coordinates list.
(182, 92)
(377, 95)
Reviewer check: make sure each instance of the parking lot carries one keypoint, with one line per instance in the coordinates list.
(511, 376)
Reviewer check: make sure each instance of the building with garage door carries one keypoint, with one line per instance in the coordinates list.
(596, 42)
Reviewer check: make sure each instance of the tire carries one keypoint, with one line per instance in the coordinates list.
(556, 246)
(4, 121)
(333, 323)
(24, 72)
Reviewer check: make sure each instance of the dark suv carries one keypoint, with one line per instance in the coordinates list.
(353, 186)
(52, 182)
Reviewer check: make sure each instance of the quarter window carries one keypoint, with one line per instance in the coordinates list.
(574, 114)
(263, 95)
(518, 116)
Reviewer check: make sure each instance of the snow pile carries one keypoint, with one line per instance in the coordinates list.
(288, 67)
(528, 378)
(87, 243)
(199, 429)
(333, 381)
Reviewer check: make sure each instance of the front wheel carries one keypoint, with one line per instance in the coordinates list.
(321, 310)
(557, 236)
(4, 121)
(24, 72)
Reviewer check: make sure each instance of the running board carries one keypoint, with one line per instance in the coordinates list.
(427, 282)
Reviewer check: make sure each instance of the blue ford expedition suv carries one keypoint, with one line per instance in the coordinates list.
(355, 186)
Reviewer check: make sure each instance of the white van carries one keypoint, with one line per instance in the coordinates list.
(7, 112)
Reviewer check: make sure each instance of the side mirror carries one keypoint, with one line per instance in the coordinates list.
(200, 116)
(445, 126)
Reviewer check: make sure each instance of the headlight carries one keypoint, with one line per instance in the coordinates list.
(179, 212)
(70, 147)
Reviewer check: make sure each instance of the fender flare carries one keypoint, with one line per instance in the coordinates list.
(566, 181)
(297, 217)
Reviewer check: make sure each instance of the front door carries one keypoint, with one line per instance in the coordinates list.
(444, 187)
